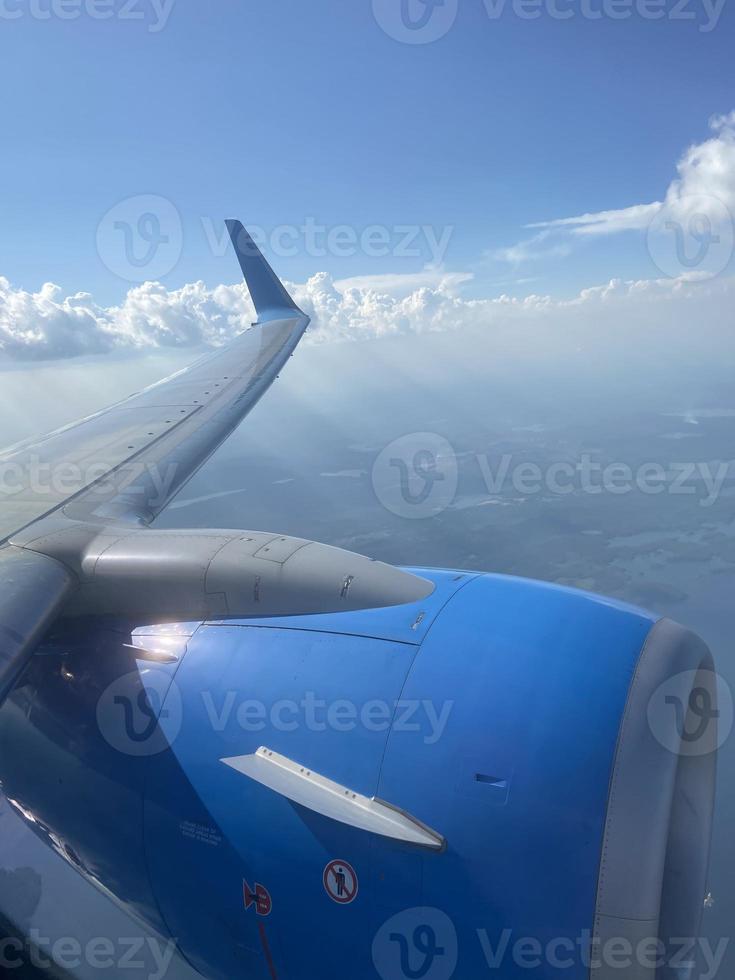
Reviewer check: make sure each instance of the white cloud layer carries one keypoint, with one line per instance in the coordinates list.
(46, 324)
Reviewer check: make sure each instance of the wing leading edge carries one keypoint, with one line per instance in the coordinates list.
(128, 461)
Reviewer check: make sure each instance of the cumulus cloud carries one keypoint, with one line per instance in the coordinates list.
(46, 324)
(705, 185)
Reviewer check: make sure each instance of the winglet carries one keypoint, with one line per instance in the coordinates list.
(266, 289)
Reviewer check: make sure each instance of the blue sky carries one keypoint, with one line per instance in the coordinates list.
(283, 111)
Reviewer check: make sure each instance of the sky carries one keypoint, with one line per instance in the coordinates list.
(545, 187)
(492, 149)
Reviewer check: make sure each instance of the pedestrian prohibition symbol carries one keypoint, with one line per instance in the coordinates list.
(340, 882)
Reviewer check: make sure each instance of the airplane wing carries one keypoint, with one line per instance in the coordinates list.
(127, 462)
(75, 505)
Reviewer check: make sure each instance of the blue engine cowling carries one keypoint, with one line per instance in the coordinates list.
(535, 728)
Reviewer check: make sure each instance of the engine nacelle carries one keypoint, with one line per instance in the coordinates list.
(501, 761)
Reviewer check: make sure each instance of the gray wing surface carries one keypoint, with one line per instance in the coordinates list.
(127, 462)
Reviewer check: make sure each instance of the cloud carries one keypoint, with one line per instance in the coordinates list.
(705, 185)
(634, 218)
(532, 249)
(45, 324)
(434, 277)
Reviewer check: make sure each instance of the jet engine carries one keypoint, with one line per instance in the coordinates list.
(502, 775)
